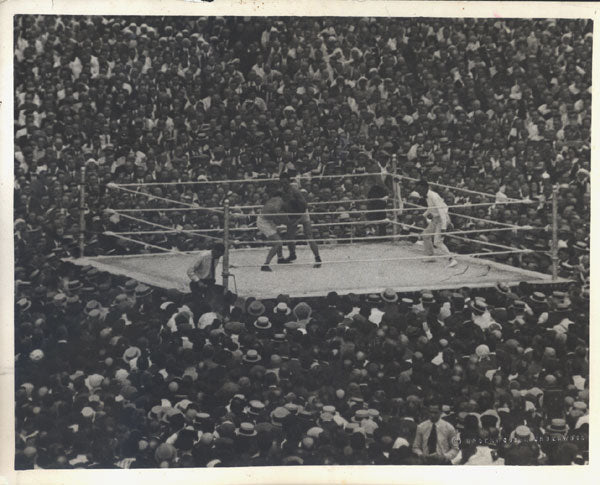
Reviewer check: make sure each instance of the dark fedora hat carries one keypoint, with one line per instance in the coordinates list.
(389, 295)
(256, 308)
(478, 306)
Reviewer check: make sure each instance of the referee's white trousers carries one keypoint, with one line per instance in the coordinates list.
(435, 241)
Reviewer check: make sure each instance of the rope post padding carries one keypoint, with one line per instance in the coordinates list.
(82, 213)
(225, 273)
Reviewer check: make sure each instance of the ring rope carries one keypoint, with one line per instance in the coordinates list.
(248, 229)
(285, 241)
(239, 207)
(416, 207)
(157, 197)
(408, 258)
(185, 231)
(405, 177)
(170, 209)
(399, 209)
(230, 181)
(341, 201)
(361, 211)
(388, 236)
(479, 219)
(110, 233)
(485, 243)
(466, 216)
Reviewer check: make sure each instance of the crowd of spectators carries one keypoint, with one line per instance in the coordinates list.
(111, 373)
(114, 373)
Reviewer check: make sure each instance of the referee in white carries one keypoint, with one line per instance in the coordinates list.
(439, 221)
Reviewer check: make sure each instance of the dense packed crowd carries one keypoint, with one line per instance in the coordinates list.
(113, 373)
(499, 106)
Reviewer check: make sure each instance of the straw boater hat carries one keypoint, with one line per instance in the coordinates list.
(262, 323)
(246, 429)
(74, 285)
(557, 425)
(282, 308)
(131, 353)
(538, 298)
(256, 407)
(252, 357)
(279, 415)
(129, 286)
(90, 306)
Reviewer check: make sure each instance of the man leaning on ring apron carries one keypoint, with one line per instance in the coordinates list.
(202, 275)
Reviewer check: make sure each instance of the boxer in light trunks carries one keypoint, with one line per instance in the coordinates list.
(267, 222)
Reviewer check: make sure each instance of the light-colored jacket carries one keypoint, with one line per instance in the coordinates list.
(447, 442)
(203, 268)
(437, 208)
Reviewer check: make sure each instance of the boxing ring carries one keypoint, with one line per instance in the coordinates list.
(350, 263)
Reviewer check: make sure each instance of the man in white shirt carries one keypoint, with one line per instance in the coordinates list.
(439, 221)
(202, 272)
(436, 437)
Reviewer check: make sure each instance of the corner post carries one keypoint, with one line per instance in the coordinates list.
(226, 245)
(82, 213)
(395, 195)
(555, 232)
